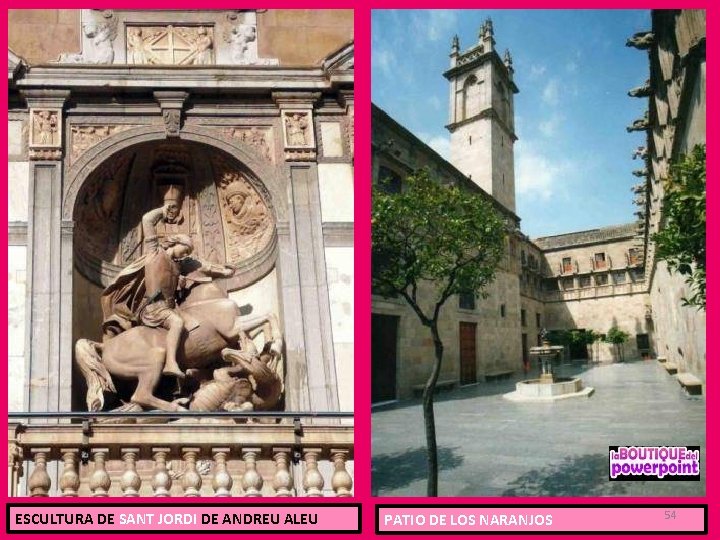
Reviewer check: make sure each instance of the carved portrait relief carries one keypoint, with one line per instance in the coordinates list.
(249, 226)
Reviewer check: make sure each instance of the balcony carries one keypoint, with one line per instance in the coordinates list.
(595, 291)
(271, 454)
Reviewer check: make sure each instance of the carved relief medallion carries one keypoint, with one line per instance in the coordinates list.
(170, 45)
(249, 225)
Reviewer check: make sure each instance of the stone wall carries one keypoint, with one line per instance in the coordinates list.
(17, 272)
(677, 123)
(41, 35)
(627, 312)
(303, 36)
(18, 203)
(498, 344)
(679, 330)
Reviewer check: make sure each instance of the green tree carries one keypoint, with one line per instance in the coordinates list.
(438, 234)
(681, 239)
(617, 337)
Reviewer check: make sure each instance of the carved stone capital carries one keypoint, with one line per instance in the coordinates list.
(299, 100)
(171, 104)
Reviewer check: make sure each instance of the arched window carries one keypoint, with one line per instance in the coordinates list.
(470, 98)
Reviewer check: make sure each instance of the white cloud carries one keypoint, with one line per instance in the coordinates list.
(435, 102)
(551, 92)
(436, 24)
(384, 60)
(539, 176)
(438, 143)
(537, 71)
(549, 127)
(571, 66)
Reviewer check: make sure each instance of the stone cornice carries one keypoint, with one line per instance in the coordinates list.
(198, 78)
(491, 56)
(485, 113)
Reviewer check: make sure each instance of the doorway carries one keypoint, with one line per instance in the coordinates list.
(468, 353)
(384, 357)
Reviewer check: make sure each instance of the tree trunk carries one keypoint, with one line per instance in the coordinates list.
(429, 414)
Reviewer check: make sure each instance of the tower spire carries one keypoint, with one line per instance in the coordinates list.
(508, 61)
(487, 35)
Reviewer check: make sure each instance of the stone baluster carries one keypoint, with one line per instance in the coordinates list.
(130, 480)
(39, 481)
(15, 468)
(283, 480)
(191, 480)
(222, 482)
(341, 480)
(312, 479)
(69, 479)
(161, 480)
(100, 479)
(251, 481)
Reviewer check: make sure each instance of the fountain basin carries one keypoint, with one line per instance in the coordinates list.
(540, 390)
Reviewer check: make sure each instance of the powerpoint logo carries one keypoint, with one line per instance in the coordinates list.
(654, 463)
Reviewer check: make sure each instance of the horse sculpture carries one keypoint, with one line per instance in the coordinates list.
(220, 355)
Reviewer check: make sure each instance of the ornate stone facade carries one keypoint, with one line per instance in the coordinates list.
(246, 207)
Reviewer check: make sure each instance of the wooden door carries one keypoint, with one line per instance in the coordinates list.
(468, 353)
(384, 357)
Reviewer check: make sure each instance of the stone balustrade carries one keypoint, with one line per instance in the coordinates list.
(190, 458)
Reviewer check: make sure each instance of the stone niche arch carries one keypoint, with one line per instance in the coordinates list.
(231, 209)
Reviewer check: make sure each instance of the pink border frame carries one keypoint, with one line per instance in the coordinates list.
(362, 238)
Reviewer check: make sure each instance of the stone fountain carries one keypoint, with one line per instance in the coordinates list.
(548, 387)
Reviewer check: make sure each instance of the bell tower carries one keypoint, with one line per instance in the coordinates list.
(482, 117)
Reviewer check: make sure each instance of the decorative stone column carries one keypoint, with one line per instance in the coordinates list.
(222, 482)
(70, 478)
(161, 479)
(313, 481)
(39, 482)
(48, 338)
(130, 481)
(341, 480)
(311, 379)
(282, 480)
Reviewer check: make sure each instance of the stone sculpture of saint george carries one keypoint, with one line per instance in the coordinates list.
(165, 316)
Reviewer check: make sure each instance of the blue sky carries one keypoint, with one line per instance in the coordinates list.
(573, 159)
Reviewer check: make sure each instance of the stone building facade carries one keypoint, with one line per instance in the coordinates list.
(251, 113)
(675, 123)
(585, 280)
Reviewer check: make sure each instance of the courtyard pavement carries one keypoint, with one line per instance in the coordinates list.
(489, 446)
